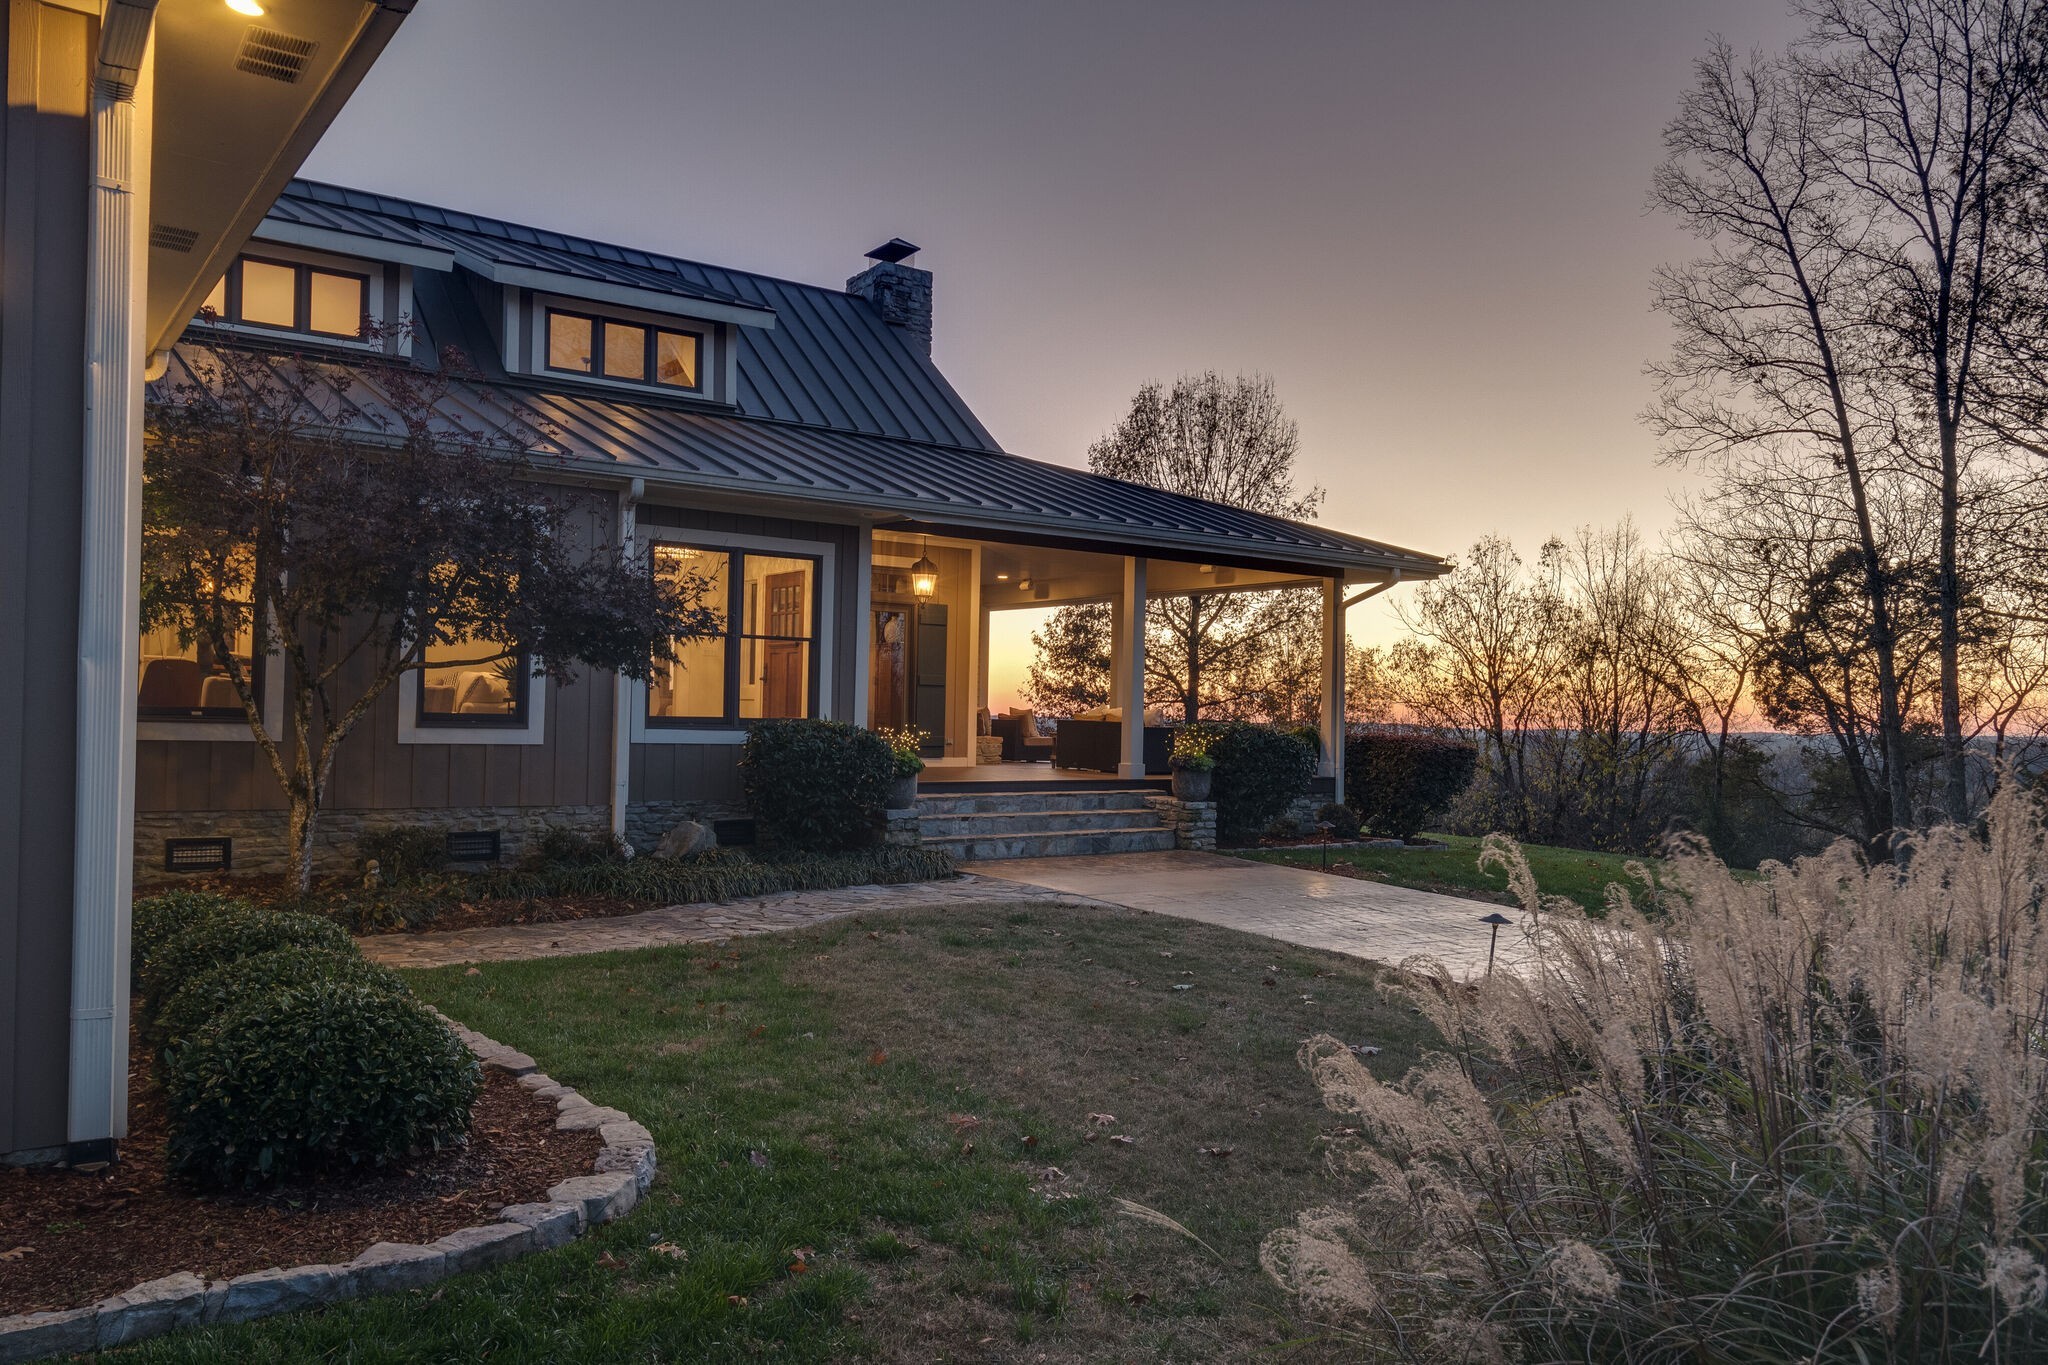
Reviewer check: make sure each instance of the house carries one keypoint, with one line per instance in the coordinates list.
(792, 443)
(140, 142)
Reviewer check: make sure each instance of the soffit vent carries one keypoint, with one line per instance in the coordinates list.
(277, 56)
(170, 238)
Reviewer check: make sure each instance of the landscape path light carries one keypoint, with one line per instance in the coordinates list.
(1496, 919)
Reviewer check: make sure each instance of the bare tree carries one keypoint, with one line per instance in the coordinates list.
(1220, 654)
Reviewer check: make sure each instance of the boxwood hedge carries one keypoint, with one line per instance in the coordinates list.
(816, 785)
(227, 934)
(1400, 782)
(199, 1001)
(156, 920)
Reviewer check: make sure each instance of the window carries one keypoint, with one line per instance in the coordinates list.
(292, 297)
(628, 351)
(766, 667)
(473, 682)
(187, 680)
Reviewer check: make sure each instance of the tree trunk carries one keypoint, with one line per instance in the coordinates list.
(1193, 703)
(1949, 611)
(304, 812)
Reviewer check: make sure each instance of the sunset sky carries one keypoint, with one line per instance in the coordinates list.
(1425, 221)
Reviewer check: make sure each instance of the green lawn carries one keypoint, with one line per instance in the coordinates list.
(1454, 869)
(876, 1143)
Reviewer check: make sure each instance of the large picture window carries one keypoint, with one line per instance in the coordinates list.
(631, 352)
(292, 297)
(464, 685)
(183, 680)
(762, 661)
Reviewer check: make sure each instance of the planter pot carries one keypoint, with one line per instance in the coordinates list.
(903, 793)
(1192, 784)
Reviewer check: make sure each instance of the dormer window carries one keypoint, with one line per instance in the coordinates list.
(630, 352)
(292, 297)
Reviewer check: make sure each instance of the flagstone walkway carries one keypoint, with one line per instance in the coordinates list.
(1313, 909)
(709, 923)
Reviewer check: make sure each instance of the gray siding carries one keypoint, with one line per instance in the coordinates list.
(43, 164)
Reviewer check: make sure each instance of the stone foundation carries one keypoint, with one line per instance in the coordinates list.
(261, 838)
(647, 821)
(1193, 822)
(902, 828)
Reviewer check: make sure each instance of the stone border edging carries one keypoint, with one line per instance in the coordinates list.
(623, 1170)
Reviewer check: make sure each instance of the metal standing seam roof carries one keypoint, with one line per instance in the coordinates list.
(828, 361)
(850, 470)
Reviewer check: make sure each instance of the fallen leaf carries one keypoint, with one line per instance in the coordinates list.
(758, 1030)
(474, 971)
(1220, 1153)
(1122, 1139)
(1030, 1141)
(736, 1300)
(670, 1250)
(1138, 1298)
(1183, 985)
(759, 1159)
(1365, 1050)
(1102, 1120)
(1164, 953)
(611, 1262)
(967, 1149)
(16, 1254)
(963, 1124)
(874, 936)
(1269, 981)
(877, 1057)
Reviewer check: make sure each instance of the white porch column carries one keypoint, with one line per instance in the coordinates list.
(1128, 667)
(109, 593)
(1333, 683)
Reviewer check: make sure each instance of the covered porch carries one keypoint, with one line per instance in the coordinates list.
(930, 592)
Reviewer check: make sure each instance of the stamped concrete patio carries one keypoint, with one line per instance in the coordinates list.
(1312, 909)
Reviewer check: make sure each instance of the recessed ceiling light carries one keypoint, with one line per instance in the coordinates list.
(1002, 578)
(248, 7)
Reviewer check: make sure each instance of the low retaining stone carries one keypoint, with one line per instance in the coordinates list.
(622, 1172)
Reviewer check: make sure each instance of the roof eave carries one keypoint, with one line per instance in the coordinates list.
(605, 291)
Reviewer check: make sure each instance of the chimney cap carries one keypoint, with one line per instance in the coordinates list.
(893, 251)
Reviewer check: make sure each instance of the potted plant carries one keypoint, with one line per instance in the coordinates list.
(1193, 767)
(905, 744)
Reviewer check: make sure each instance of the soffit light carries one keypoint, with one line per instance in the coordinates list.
(924, 575)
(248, 7)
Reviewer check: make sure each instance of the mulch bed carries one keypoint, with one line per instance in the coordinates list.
(70, 1238)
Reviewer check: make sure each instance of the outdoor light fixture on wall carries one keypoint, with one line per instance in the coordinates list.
(924, 575)
(248, 7)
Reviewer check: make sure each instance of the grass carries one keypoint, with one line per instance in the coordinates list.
(877, 1143)
(1454, 869)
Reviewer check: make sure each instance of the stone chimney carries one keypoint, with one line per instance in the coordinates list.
(900, 292)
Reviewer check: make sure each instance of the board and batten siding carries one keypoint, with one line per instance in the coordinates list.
(710, 772)
(45, 158)
(374, 771)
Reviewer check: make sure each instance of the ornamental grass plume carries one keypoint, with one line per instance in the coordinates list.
(1797, 1117)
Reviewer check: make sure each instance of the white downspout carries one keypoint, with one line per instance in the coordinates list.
(109, 592)
(622, 686)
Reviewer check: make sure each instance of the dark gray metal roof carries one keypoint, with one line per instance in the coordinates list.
(948, 484)
(828, 361)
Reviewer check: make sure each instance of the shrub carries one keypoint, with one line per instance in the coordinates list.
(156, 920)
(817, 785)
(1802, 1117)
(1259, 771)
(1400, 783)
(197, 1002)
(1342, 820)
(301, 1078)
(225, 936)
(558, 847)
(403, 853)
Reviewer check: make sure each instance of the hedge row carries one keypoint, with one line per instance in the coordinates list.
(1259, 771)
(1399, 783)
(282, 1050)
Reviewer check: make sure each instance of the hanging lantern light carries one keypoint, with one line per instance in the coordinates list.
(924, 575)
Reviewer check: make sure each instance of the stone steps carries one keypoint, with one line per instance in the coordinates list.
(973, 826)
(984, 824)
(1056, 843)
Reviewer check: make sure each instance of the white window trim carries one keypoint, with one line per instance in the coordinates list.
(711, 347)
(410, 731)
(827, 556)
(226, 731)
(379, 281)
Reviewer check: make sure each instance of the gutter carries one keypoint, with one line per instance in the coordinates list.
(622, 686)
(109, 592)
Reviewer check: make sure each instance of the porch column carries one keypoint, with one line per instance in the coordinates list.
(1333, 684)
(1127, 666)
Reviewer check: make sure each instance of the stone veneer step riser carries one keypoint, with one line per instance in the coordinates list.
(997, 824)
(1056, 845)
(1011, 803)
